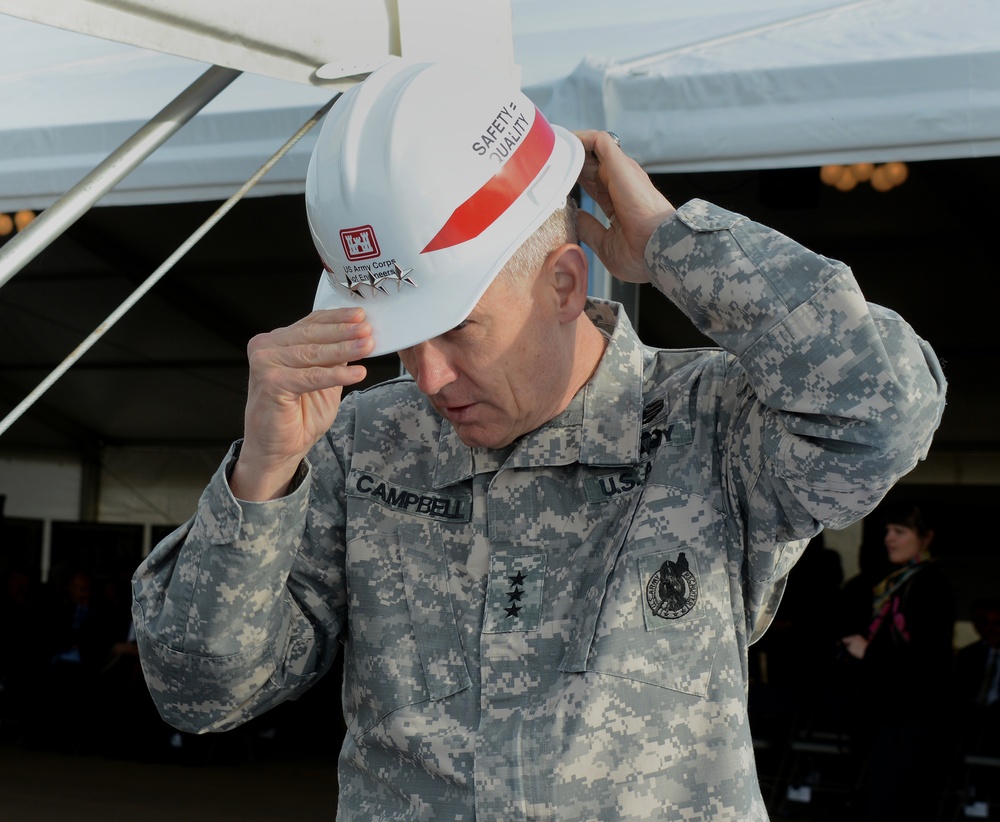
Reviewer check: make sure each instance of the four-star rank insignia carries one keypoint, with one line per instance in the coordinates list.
(356, 280)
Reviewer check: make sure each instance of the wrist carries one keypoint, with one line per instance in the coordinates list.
(253, 479)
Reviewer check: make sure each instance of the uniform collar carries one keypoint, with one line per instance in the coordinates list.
(601, 425)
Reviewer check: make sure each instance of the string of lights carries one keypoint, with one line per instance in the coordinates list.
(881, 177)
(9, 223)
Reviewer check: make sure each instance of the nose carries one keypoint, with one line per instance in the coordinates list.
(430, 366)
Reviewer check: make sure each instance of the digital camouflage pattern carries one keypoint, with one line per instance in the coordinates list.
(557, 631)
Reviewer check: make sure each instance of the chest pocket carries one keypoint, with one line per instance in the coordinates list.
(403, 644)
(656, 610)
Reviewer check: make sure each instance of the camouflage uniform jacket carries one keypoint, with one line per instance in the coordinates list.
(558, 630)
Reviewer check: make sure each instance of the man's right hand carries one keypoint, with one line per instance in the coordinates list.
(297, 375)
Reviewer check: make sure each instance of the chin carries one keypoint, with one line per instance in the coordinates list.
(478, 438)
(481, 442)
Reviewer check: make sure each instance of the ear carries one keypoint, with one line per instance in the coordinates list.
(568, 274)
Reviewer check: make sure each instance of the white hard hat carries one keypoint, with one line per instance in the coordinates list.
(425, 179)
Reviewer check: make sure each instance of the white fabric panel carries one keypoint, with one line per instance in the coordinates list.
(154, 485)
(304, 41)
(41, 488)
(69, 100)
(289, 40)
(726, 85)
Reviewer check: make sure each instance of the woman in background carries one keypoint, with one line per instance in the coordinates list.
(906, 663)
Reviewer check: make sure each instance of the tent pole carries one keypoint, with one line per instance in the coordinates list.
(157, 275)
(54, 220)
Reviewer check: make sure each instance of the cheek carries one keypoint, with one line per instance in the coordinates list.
(529, 378)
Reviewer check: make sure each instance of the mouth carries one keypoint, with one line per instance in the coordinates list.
(457, 413)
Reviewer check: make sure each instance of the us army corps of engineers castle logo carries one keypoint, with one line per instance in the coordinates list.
(673, 590)
(366, 265)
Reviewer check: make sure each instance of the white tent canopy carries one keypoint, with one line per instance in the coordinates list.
(305, 41)
(718, 85)
(738, 84)
(69, 98)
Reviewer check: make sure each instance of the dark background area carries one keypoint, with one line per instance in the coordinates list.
(173, 370)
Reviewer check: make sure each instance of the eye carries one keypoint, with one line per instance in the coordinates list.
(460, 326)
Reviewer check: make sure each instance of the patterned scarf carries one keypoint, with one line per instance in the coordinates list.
(888, 602)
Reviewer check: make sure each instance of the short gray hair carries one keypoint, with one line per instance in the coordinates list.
(557, 230)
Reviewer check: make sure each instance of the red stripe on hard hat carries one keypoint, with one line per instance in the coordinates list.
(482, 209)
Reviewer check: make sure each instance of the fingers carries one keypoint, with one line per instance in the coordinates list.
(297, 375)
(628, 198)
(591, 232)
(330, 327)
(601, 150)
(314, 352)
(600, 147)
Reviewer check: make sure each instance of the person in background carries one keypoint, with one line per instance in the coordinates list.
(906, 671)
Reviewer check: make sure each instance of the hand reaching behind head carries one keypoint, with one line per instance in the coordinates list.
(629, 199)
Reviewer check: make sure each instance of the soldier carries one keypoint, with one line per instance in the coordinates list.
(547, 548)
